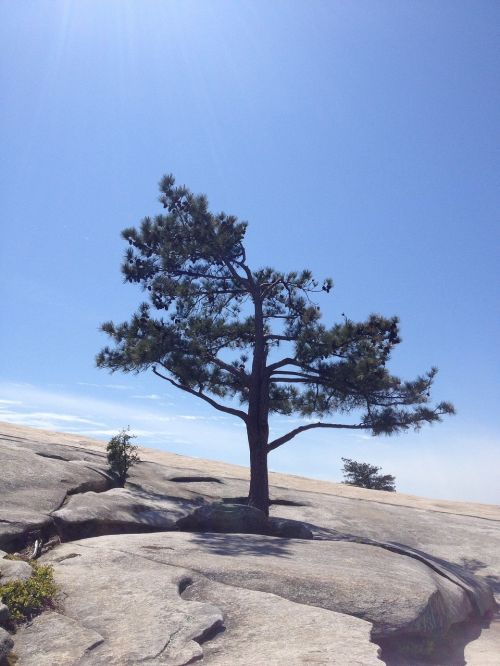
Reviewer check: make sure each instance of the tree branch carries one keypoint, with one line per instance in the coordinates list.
(246, 282)
(230, 368)
(184, 272)
(293, 433)
(297, 380)
(199, 394)
(273, 336)
(292, 373)
(289, 361)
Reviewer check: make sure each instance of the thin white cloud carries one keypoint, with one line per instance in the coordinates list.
(28, 417)
(441, 463)
(192, 417)
(151, 396)
(114, 387)
(191, 434)
(66, 418)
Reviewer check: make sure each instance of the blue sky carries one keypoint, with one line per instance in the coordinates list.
(359, 139)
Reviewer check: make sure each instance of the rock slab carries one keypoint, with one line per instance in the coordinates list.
(6, 643)
(398, 595)
(133, 603)
(52, 639)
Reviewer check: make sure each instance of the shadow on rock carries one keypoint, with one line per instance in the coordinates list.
(448, 650)
(475, 566)
(238, 544)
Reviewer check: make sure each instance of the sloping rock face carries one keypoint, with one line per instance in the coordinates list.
(219, 517)
(6, 644)
(350, 567)
(45, 641)
(35, 482)
(397, 595)
(163, 613)
(263, 628)
(11, 570)
(118, 511)
(134, 604)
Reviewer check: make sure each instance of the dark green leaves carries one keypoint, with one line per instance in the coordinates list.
(219, 323)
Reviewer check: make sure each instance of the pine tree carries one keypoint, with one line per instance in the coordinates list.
(122, 454)
(365, 475)
(217, 329)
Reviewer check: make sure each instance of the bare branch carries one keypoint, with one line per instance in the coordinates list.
(289, 361)
(241, 374)
(273, 336)
(246, 282)
(199, 394)
(293, 433)
(291, 373)
(297, 380)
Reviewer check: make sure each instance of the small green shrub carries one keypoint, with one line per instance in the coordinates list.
(122, 454)
(26, 598)
(365, 475)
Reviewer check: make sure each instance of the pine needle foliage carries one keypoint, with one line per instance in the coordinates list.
(365, 475)
(218, 329)
(122, 454)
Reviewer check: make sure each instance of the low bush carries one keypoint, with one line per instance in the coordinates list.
(27, 598)
(365, 475)
(122, 454)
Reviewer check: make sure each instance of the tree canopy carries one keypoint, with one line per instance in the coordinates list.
(122, 454)
(365, 475)
(251, 342)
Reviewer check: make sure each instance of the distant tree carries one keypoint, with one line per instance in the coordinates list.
(221, 326)
(122, 455)
(365, 475)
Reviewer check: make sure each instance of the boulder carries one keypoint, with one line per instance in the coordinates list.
(221, 517)
(406, 565)
(397, 594)
(288, 529)
(119, 510)
(6, 644)
(11, 570)
(130, 601)
(52, 638)
(32, 485)
(469, 541)
(485, 650)
(264, 628)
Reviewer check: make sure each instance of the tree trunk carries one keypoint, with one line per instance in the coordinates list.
(258, 495)
(258, 415)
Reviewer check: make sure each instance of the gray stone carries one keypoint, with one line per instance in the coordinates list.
(133, 602)
(288, 529)
(449, 547)
(465, 540)
(52, 639)
(31, 486)
(266, 629)
(397, 594)
(12, 570)
(225, 518)
(117, 511)
(6, 643)
(485, 650)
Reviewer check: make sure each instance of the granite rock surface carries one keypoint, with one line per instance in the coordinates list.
(350, 569)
